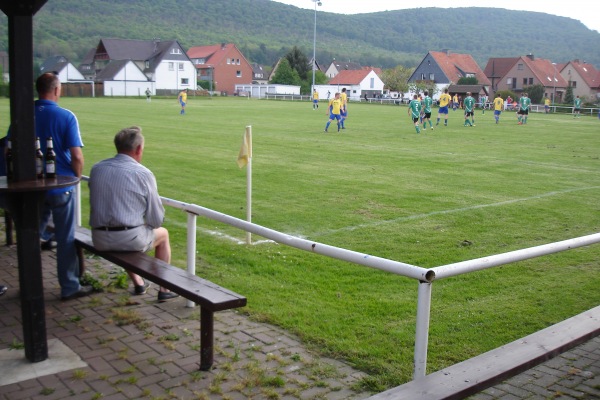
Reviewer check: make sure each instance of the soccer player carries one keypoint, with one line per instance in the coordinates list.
(344, 109)
(546, 105)
(577, 107)
(498, 107)
(524, 105)
(445, 100)
(315, 99)
(455, 102)
(483, 100)
(427, 103)
(182, 98)
(335, 107)
(414, 110)
(469, 104)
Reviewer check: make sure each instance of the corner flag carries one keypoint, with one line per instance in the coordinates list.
(246, 149)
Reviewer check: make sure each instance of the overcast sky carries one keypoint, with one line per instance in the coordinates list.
(587, 12)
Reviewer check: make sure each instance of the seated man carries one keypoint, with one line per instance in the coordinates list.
(126, 213)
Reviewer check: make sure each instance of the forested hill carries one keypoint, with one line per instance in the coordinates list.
(265, 30)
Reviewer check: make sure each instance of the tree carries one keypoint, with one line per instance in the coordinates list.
(535, 93)
(299, 62)
(568, 96)
(320, 79)
(468, 80)
(397, 79)
(285, 75)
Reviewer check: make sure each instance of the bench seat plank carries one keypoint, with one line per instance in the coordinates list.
(210, 296)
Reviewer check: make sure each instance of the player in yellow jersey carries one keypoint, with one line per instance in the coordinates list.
(315, 99)
(498, 107)
(445, 100)
(335, 108)
(182, 98)
(344, 110)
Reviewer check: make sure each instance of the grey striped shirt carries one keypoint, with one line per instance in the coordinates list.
(124, 193)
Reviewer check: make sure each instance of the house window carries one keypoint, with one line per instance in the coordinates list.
(228, 61)
(574, 84)
(520, 67)
(431, 78)
(147, 64)
(422, 76)
(372, 86)
(176, 50)
(531, 81)
(238, 73)
(181, 66)
(237, 61)
(171, 66)
(509, 81)
(185, 81)
(524, 81)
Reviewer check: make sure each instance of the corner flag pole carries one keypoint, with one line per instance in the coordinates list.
(245, 160)
(249, 183)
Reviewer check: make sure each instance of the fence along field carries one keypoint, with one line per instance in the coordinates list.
(444, 196)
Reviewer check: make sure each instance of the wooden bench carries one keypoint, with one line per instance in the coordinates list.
(481, 372)
(209, 296)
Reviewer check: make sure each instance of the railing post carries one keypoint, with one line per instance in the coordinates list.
(422, 329)
(78, 204)
(191, 248)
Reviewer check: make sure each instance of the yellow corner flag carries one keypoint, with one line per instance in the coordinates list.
(246, 149)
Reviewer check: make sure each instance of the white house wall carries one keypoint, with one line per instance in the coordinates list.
(171, 79)
(126, 88)
(70, 73)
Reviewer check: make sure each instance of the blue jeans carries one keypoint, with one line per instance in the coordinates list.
(62, 207)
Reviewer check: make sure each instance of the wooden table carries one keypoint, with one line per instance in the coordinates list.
(24, 201)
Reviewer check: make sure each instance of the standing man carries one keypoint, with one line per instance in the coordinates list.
(62, 126)
(455, 102)
(344, 110)
(335, 108)
(577, 107)
(126, 212)
(524, 104)
(445, 100)
(546, 105)
(469, 104)
(498, 107)
(315, 97)
(182, 100)
(427, 103)
(414, 111)
(148, 94)
(483, 101)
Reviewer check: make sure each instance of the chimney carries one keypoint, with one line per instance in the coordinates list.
(530, 56)
(223, 46)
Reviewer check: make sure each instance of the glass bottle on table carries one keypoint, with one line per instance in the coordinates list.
(39, 160)
(50, 159)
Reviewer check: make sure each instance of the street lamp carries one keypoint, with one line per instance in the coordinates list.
(554, 94)
(314, 61)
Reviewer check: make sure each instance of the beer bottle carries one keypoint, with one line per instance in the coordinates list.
(9, 161)
(50, 159)
(39, 159)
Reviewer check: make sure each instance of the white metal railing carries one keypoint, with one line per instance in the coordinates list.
(425, 276)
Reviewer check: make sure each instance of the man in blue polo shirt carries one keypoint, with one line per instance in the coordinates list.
(62, 125)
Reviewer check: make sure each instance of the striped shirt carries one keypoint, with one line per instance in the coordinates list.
(124, 193)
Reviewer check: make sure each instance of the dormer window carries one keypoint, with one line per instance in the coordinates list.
(176, 50)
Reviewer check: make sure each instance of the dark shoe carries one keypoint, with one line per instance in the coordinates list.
(47, 244)
(3, 289)
(141, 289)
(164, 296)
(83, 291)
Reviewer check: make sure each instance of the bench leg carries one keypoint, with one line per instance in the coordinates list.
(81, 260)
(206, 338)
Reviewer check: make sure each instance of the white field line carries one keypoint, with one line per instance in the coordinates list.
(443, 212)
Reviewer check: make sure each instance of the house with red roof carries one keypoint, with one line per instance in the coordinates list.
(223, 64)
(584, 78)
(440, 69)
(518, 73)
(358, 83)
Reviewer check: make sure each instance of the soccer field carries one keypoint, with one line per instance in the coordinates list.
(445, 195)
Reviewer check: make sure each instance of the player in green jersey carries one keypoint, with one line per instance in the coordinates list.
(524, 105)
(577, 107)
(427, 103)
(414, 110)
(469, 104)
